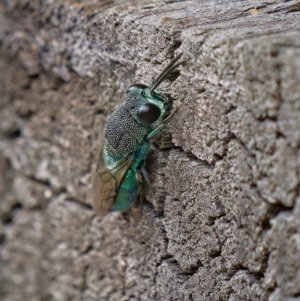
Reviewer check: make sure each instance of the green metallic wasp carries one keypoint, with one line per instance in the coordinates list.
(121, 166)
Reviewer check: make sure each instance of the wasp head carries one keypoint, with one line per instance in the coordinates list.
(143, 103)
(146, 108)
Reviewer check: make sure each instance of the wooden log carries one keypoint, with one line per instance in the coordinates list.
(223, 222)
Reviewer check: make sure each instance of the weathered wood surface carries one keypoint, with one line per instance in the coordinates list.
(226, 224)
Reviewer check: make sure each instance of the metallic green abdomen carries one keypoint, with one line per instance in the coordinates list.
(128, 190)
(127, 193)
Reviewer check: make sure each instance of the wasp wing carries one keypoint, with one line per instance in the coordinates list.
(107, 182)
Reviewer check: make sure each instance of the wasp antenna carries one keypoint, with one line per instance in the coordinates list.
(167, 68)
(171, 66)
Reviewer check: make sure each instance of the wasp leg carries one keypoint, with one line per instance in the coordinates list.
(161, 125)
(155, 131)
(137, 210)
(140, 187)
(171, 115)
(146, 177)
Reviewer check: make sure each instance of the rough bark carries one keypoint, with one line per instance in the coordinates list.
(223, 221)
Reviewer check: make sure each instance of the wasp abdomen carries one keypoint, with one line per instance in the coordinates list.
(127, 192)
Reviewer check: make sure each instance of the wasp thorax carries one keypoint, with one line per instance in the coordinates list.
(148, 113)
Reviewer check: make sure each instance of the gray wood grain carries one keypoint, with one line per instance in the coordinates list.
(223, 222)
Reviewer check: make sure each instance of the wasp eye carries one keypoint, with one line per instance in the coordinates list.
(148, 113)
(136, 86)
